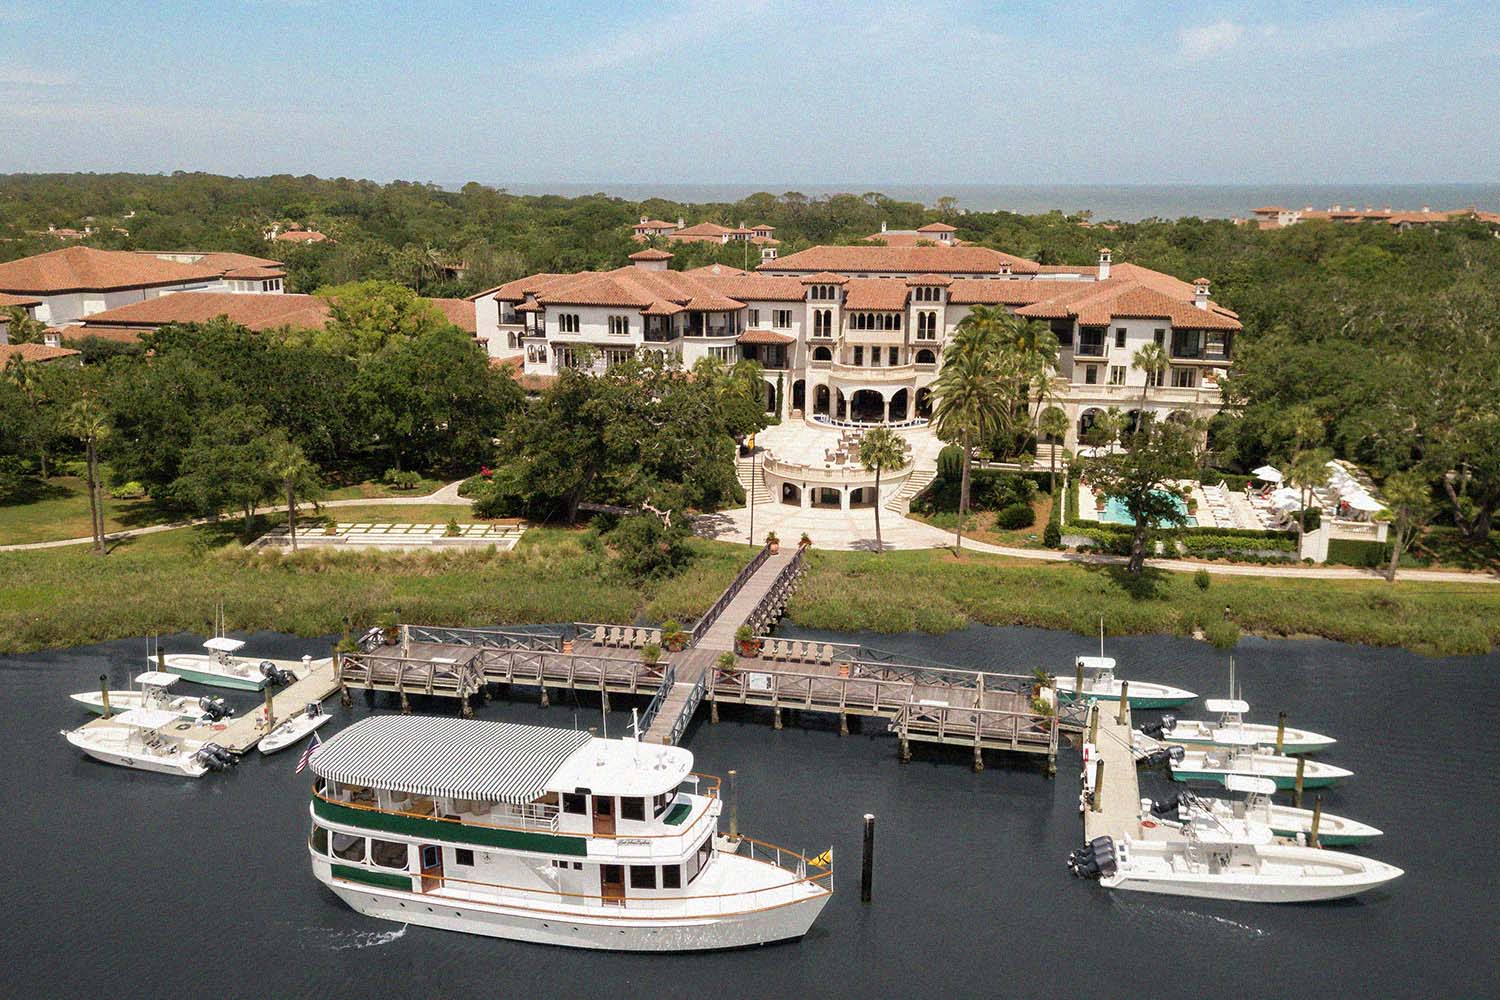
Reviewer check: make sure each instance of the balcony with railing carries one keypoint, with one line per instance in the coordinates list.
(882, 374)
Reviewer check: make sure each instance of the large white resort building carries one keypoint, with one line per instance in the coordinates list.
(850, 336)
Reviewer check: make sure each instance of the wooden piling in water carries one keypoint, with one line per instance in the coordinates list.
(978, 758)
(843, 723)
(1078, 680)
(1312, 837)
(1124, 702)
(1094, 724)
(104, 692)
(776, 717)
(867, 864)
(544, 701)
(270, 707)
(903, 750)
(1297, 788)
(1098, 801)
(1280, 732)
(713, 712)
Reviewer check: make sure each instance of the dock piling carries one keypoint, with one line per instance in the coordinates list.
(1124, 702)
(1312, 837)
(1098, 803)
(867, 865)
(713, 712)
(1297, 788)
(734, 806)
(1280, 732)
(104, 692)
(903, 752)
(544, 701)
(1078, 679)
(270, 707)
(1094, 724)
(978, 758)
(776, 717)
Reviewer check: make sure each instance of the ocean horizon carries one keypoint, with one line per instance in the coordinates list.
(1117, 202)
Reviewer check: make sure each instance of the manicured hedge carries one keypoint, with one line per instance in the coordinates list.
(1357, 552)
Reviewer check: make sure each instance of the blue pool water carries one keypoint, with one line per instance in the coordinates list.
(1115, 512)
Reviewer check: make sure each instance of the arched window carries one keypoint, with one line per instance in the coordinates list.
(926, 357)
(822, 354)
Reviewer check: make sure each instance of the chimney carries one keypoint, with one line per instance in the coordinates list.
(1104, 263)
(680, 223)
(1200, 293)
(643, 220)
(882, 225)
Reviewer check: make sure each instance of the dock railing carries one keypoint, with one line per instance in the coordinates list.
(484, 638)
(701, 627)
(694, 699)
(649, 715)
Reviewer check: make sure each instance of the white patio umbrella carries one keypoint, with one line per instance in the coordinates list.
(1286, 499)
(1269, 473)
(1364, 502)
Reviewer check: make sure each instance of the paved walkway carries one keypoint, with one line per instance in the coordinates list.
(447, 495)
(854, 530)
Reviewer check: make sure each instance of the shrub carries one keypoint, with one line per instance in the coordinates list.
(472, 486)
(1358, 552)
(452, 530)
(648, 548)
(1016, 515)
(1052, 535)
(401, 479)
(128, 491)
(950, 463)
(1201, 579)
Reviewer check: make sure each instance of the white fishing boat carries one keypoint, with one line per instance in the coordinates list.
(1233, 731)
(148, 739)
(1100, 682)
(294, 728)
(1216, 763)
(1257, 809)
(153, 692)
(1201, 865)
(546, 835)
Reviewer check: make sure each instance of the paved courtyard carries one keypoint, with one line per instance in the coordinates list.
(808, 444)
(828, 528)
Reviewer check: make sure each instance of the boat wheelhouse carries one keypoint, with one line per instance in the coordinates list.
(546, 835)
(153, 692)
(219, 667)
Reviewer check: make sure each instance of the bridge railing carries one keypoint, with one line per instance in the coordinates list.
(700, 629)
(668, 679)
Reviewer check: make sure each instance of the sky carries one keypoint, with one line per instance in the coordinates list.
(758, 91)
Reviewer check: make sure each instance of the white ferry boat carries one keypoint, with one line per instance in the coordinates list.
(546, 835)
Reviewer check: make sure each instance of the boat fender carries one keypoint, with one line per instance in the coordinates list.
(1148, 824)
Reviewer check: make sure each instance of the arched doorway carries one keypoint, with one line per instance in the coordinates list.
(1182, 418)
(820, 400)
(863, 496)
(1086, 422)
(924, 402)
(791, 494)
(821, 353)
(826, 496)
(799, 395)
(866, 407)
(770, 396)
(842, 405)
(899, 405)
(1133, 421)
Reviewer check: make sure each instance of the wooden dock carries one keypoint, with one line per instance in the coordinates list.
(1119, 798)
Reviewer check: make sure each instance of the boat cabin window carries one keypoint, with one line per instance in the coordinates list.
(671, 876)
(632, 808)
(659, 804)
(576, 804)
(320, 839)
(463, 856)
(388, 853)
(348, 848)
(697, 861)
(643, 876)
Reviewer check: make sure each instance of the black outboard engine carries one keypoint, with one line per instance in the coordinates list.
(1160, 756)
(1170, 809)
(275, 674)
(214, 709)
(313, 710)
(214, 757)
(1095, 859)
(1158, 730)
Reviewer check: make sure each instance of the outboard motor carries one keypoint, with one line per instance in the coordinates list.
(214, 709)
(209, 759)
(313, 710)
(1094, 859)
(275, 674)
(1169, 809)
(223, 757)
(1158, 730)
(1161, 756)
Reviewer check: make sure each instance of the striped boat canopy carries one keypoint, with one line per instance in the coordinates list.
(454, 758)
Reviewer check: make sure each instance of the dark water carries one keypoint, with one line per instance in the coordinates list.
(1123, 202)
(124, 883)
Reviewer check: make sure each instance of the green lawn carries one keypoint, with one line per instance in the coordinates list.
(59, 508)
(375, 489)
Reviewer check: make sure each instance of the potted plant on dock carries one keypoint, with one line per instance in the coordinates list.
(650, 654)
(672, 635)
(1040, 681)
(390, 630)
(727, 662)
(748, 642)
(773, 542)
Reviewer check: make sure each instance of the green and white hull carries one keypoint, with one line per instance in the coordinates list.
(1141, 693)
(240, 675)
(1217, 765)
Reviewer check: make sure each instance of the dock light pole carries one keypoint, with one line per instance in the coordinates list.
(867, 865)
(751, 443)
(734, 806)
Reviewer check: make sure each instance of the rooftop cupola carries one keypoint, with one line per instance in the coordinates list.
(651, 259)
(680, 223)
(644, 220)
(1104, 258)
(1200, 293)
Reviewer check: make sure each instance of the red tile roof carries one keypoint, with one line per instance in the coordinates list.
(765, 337)
(256, 312)
(17, 301)
(937, 227)
(459, 312)
(929, 279)
(302, 236)
(85, 269)
(650, 253)
(704, 229)
(878, 294)
(823, 278)
(34, 352)
(912, 260)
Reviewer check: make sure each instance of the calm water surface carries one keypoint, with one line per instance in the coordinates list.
(124, 883)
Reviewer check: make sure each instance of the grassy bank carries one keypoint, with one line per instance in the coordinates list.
(931, 591)
(170, 582)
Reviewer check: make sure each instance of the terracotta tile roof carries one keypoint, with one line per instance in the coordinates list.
(937, 227)
(1267, 210)
(987, 291)
(254, 273)
(715, 270)
(119, 334)
(34, 352)
(823, 278)
(763, 228)
(748, 287)
(655, 224)
(661, 307)
(1088, 270)
(17, 301)
(257, 312)
(929, 279)
(879, 294)
(765, 337)
(704, 229)
(302, 236)
(85, 269)
(912, 260)
(1100, 303)
(650, 253)
(516, 291)
(459, 312)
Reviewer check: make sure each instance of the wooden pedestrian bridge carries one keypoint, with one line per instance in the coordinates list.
(923, 702)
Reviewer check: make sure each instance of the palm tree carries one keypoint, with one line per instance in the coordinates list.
(1309, 470)
(88, 422)
(297, 475)
(26, 376)
(1035, 347)
(971, 406)
(1151, 359)
(1053, 423)
(882, 449)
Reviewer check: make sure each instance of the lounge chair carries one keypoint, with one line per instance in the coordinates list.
(825, 655)
(599, 633)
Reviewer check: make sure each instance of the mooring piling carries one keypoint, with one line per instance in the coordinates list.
(867, 864)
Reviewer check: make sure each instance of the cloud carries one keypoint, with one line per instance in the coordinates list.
(674, 32)
(1207, 40)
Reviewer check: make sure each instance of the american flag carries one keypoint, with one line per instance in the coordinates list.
(307, 755)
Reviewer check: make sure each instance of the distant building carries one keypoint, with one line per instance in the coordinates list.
(77, 281)
(1277, 217)
(934, 234)
(39, 353)
(296, 234)
(704, 232)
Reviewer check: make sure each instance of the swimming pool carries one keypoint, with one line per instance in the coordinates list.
(1115, 512)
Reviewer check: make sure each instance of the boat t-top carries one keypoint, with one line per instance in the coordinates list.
(546, 835)
(152, 691)
(1099, 682)
(1232, 730)
(1216, 763)
(149, 739)
(1257, 809)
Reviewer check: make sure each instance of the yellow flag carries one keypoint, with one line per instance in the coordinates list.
(824, 860)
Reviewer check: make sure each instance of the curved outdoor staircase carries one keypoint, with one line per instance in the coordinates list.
(756, 490)
(900, 501)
